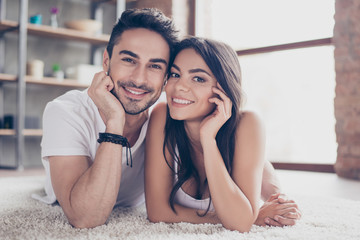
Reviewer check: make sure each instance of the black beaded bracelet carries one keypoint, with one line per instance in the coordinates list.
(117, 139)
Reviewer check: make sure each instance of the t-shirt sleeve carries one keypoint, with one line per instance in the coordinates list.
(63, 132)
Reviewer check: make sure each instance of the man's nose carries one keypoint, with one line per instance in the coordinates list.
(138, 75)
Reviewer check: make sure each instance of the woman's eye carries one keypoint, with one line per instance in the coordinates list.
(174, 75)
(198, 79)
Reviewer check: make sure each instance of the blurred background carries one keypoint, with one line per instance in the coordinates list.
(286, 50)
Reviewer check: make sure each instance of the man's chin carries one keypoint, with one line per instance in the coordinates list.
(135, 110)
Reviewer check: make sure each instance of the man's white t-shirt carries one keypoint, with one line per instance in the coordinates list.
(71, 126)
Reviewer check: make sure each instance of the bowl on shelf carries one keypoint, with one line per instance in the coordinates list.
(85, 25)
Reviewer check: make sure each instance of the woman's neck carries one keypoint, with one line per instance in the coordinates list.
(192, 129)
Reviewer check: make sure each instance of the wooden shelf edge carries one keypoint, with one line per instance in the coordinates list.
(44, 81)
(110, 1)
(55, 82)
(63, 33)
(33, 132)
(26, 132)
(7, 77)
(7, 132)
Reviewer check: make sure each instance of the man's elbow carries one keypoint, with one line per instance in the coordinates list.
(86, 222)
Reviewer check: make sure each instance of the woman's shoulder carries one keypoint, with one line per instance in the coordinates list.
(250, 121)
(159, 110)
(158, 114)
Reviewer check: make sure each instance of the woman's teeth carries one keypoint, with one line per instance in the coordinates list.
(181, 101)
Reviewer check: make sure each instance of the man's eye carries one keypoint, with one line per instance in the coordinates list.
(198, 79)
(129, 60)
(156, 66)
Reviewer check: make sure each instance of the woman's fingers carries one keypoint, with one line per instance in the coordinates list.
(272, 222)
(293, 215)
(285, 221)
(226, 100)
(220, 106)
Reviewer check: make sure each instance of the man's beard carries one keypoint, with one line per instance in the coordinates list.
(132, 108)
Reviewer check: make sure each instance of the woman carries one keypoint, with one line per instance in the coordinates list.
(204, 156)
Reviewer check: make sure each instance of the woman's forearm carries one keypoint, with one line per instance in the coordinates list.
(232, 206)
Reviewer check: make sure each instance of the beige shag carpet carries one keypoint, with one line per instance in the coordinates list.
(22, 217)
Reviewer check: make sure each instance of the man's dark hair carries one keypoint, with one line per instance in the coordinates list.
(148, 18)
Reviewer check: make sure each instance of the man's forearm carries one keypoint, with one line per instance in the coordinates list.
(94, 195)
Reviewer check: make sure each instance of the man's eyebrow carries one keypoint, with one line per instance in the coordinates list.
(129, 53)
(195, 70)
(158, 60)
(134, 55)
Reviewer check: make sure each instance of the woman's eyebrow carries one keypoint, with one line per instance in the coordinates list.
(176, 67)
(195, 70)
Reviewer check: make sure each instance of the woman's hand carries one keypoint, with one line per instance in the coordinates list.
(210, 126)
(109, 106)
(278, 211)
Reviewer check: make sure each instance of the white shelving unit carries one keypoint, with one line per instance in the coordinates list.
(23, 29)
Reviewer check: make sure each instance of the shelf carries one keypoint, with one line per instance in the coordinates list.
(26, 132)
(7, 77)
(7, 132)
(33, 132)
(110, 1)
(62, 33)
(55, 82)
(44, 81)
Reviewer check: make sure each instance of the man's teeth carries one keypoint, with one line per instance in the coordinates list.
(134, 92)
(181, 101)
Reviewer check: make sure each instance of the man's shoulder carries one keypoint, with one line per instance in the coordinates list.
(73, 100)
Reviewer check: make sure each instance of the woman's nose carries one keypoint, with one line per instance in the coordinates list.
(182, 85)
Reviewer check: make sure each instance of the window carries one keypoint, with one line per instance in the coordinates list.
(292, 90)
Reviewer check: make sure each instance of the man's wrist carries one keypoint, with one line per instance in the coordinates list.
(114, 126)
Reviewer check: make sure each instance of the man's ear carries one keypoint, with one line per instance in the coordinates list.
(106, 61)
(165, 81)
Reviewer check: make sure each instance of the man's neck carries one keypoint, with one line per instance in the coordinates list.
(133, 126)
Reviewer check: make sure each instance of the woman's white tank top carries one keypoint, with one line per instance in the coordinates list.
(184, 199)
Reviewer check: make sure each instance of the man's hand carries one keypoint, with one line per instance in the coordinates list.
(109, 106)
(278, 211)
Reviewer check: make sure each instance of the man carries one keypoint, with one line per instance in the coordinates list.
(85, 147)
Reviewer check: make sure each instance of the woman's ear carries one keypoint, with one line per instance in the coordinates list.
(106, 61)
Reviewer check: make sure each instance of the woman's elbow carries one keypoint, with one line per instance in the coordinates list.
(241, 223)
(155, 217)
(241, 227)
(156, 214)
